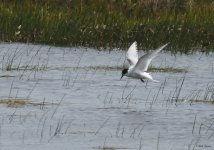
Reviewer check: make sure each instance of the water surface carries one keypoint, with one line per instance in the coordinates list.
(76, 100)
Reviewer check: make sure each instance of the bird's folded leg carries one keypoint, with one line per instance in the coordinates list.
(142, 80)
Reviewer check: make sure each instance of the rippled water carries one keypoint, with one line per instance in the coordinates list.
(76, 100)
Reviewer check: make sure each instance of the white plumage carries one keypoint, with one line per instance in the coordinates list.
(138, 67)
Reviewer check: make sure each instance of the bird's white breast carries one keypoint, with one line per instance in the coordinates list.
(139, 75)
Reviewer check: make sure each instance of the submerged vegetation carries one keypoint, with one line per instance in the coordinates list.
(14, 102)
(21, 102)
(186, 24)
(150, 69)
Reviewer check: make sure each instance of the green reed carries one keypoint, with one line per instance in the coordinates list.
(109, 24)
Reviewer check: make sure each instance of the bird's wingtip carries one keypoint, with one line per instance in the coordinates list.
(166, 44)
(162, 47)
(135, 43)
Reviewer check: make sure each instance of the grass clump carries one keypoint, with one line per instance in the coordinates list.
(6, 76)
(21, 102)
(14, 102)
(185, 24)
(167, 69)
(203, 96)
(150, 69)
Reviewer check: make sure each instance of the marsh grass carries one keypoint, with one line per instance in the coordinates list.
(205, 95)
(202, 96)
(12, 60)
(6, 76)
(22, 102)
(14, 102)
(150, 69)
(108, 24)
(204, 101)
(167, 69)
(22, 68)
(26, 68)
(108, 148)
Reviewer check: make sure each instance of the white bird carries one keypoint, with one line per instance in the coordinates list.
(138, 67)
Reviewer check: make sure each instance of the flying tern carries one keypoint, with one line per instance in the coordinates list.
(138, 67)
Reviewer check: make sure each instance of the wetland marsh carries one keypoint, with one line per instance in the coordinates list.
(186, 24)
(73, 98)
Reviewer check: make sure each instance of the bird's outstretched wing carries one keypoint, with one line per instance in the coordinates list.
(132, 55)
(144, 61)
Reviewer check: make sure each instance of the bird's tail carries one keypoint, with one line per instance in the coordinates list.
(155, 80)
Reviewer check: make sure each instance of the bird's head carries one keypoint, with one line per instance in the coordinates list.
(124, 72)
